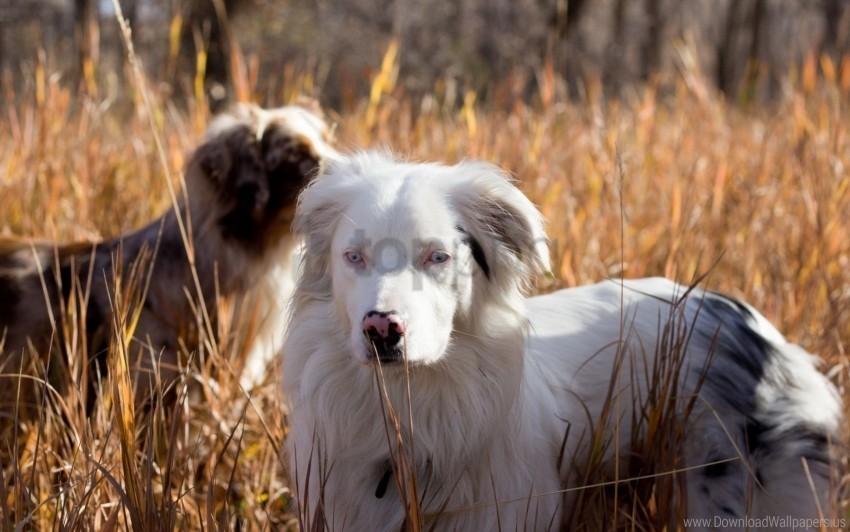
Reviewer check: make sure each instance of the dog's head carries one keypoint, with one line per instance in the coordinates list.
(414, 254)
(253, 163)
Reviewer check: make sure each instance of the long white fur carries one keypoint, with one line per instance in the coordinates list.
(498, 383)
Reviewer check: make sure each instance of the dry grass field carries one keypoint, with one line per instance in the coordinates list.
(676, 182)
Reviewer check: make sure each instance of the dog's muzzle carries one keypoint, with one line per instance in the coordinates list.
(384, 331)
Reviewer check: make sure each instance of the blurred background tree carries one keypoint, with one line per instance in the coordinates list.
(748, 49)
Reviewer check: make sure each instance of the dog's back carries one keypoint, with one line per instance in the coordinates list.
(699, 383)
(36, 279)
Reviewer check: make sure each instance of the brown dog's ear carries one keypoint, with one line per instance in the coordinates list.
(245, 192)
(227, 180)
(231, 161)
(289, 152)
(290, 162)
(213, 160)
(286, 151)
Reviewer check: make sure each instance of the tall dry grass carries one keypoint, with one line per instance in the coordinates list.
(673, 181)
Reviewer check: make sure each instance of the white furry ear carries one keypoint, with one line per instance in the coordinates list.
(505, 229)
(317, 214)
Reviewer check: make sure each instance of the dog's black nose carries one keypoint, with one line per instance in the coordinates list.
(384, 330)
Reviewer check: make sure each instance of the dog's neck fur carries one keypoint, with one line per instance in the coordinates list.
(466, 412)
(487, 374)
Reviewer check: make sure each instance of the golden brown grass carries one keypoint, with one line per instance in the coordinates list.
(758, 199)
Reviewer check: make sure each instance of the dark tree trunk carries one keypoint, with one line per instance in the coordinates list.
(651, 49)
(130, 8)
(754, 57)
(206, 29)
(616, 64)
(835, 36)
(87, 40)
(726, 75)
(565, 16)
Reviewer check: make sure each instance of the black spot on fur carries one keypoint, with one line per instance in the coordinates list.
(477, 251)
(67, 279)
(738, 352)
(812, 442)
(753, 350)
(170, 250)
(384, 482)
(765, 440)
(9, 298)
(739, 306)
(716, 470)
(753, 434)
(817, 445)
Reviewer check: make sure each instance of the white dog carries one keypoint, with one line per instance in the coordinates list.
(423, 385)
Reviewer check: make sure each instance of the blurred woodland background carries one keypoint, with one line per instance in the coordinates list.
(748, 48)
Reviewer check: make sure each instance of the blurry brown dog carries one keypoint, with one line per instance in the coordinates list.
(241, 188)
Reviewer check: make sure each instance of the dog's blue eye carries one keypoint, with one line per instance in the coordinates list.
(353, 257)
(438, 257)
